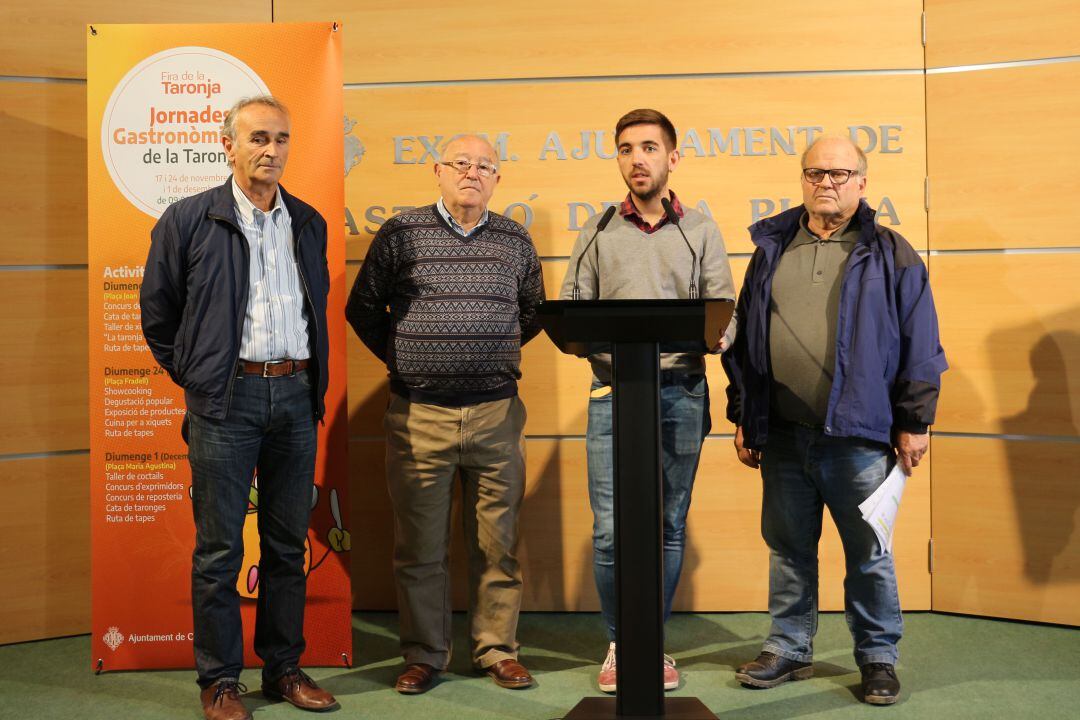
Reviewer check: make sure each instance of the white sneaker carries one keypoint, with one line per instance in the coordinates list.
(671, 675)
(607, 677)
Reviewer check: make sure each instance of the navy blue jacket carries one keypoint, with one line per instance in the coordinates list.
(888, 355)
(195, 293)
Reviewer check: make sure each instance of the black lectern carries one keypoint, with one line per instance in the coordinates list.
(636, 331)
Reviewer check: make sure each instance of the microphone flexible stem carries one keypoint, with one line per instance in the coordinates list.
(673, 218)
(608, 214)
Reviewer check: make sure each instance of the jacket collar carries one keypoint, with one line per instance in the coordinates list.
(772, 234)
(222, 206)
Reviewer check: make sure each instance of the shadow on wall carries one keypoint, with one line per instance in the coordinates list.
(371, 517)
(540, 544)
(1046, 487)
(547, 561)
(542, 530)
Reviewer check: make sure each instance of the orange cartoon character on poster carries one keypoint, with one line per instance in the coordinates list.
(338, 540)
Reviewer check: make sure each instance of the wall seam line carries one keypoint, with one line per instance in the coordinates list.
(42, 455)
(376, 85)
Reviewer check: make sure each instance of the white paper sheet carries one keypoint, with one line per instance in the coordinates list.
(880, 509)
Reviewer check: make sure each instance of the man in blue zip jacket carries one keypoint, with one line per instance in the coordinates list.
(234, 309)
(834, 377)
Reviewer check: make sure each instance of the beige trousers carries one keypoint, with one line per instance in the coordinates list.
(426, 446)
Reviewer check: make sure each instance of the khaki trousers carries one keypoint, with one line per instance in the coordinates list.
(426, 446)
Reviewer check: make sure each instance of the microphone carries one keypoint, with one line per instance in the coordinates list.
(608, 214)
(673, 218)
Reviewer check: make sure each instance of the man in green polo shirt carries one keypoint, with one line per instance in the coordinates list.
(835, 376)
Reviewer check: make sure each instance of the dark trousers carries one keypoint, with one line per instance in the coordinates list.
(270, 426)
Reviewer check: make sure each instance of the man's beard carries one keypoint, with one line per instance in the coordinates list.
(650, 194)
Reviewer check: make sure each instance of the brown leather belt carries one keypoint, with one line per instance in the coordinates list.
(272, 368)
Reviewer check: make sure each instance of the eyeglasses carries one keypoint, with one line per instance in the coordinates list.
(483, 169)
(837, 175)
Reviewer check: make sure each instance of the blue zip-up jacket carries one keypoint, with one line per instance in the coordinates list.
(195, 292)
(889, 358)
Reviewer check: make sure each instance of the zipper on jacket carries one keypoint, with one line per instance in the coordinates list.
(843, 320)
(243, 310)
(311, 304)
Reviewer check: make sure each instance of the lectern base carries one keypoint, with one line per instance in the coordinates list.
(603, 708)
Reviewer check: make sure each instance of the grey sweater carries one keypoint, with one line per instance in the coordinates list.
(626, 263)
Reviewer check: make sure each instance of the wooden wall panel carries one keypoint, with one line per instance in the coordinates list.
(1005, 528)
(726, 566)
(432, 40)
(44, 384)
(1010, 326)
(1008, 320)
(969, 32)
(1003, 157)
(47, 38)
(43, 191)
(390, 168)
(44, 547)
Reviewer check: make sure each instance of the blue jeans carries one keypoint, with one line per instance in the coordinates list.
(803, 471)
(684, 423)
(271, 426)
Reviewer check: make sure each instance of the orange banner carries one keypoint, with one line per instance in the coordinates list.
(156, 97)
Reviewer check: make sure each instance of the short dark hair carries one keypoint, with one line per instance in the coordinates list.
(645, 116)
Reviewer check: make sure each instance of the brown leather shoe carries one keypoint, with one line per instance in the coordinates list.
(417, 678)
(221, 701)
(297, 688)
(510, 674)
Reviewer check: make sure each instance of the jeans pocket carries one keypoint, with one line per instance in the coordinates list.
(599, 414)
(694, 386)
(600, 391)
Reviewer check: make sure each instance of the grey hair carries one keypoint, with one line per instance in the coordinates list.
(860, 166)
(228, 128)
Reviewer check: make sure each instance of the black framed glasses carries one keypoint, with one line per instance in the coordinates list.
(483, 169)
(838, 176)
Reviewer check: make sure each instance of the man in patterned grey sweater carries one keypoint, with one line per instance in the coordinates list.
(446, 297)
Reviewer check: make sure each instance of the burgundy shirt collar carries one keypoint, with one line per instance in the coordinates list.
(629, 211)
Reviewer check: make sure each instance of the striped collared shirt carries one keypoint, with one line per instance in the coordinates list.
(274, 326)
(455, 225)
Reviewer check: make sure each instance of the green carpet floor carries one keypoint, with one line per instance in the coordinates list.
(951, 667)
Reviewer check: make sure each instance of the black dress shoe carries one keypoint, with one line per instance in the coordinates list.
(880, 685)
(769, 670)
